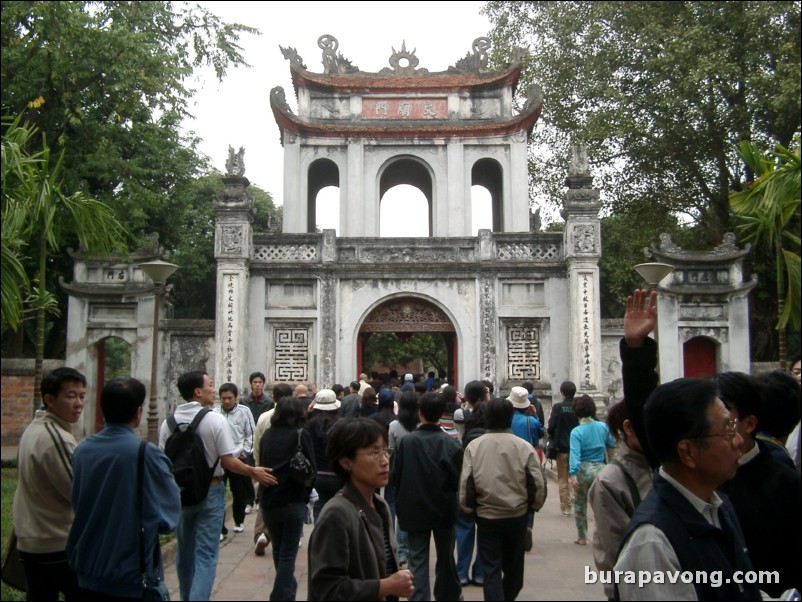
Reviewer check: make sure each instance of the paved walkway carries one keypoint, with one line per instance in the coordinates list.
(555, 568)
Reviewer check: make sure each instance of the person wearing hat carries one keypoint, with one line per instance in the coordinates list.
(529, 428)
(324, 411)
(386, 413)
(409, 383)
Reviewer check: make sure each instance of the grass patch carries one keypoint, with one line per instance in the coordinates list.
(9, 486)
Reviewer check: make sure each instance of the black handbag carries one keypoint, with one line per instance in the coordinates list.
(153, 588)
(13, 572)
(301, 470)
(551, 449)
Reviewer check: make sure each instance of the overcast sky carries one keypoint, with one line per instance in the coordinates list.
(237, 111)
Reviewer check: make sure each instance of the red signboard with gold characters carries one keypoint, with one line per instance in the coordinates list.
(405, 108)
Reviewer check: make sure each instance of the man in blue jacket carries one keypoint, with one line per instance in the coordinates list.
(103, 547)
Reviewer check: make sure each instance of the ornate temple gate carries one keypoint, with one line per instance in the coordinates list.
(513, 303)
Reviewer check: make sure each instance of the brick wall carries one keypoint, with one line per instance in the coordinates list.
(17, 396)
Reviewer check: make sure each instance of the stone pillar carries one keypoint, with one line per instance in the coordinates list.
(488, 333)
(582, 243)
(328, 313)
(234, 212)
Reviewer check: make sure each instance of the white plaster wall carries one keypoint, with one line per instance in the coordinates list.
(739, 344)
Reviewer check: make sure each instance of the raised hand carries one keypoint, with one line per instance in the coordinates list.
(640, 317)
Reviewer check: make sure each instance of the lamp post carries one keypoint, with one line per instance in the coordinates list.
(653, 273)
(158, 271)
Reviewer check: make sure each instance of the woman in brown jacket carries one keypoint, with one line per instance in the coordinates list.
(352, 553)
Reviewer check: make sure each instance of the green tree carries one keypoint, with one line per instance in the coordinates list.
(112, 78)
(45, 215)
(659, 91)
(770, 217)
(624, 237)
(18, 175)
(390, 350)
(195, 283)
(107, 84)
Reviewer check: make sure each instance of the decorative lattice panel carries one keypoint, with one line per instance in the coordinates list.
(525, 251)
(523, 351)
(277, 253)
(291, 354)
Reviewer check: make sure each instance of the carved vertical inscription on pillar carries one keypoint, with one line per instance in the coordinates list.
(586, 308)
(523, 351)
(230, 322)
(487, 304)
(291, 353)
(328, 329)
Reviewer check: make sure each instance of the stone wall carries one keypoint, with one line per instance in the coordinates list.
(17, 396)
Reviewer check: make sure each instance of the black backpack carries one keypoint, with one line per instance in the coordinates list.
(185, 449)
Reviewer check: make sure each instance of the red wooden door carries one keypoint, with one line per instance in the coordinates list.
(700, 358)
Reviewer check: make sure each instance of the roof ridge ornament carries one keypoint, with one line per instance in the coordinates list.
(290, 54)
(334, 62)
(235, 164)
(400, 69)
(473, 62)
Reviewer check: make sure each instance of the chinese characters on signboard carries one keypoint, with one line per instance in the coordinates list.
(405, 108)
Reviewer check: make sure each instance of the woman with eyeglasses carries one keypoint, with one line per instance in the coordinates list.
(352, 553)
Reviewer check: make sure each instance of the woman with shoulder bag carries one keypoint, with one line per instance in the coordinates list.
(284, 505)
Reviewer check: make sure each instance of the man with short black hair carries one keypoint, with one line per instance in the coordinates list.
(240, 420)
(116, 506)
(501, 482)
(351, 401)
(425, 471)
(562, 421)
(42, 511)
(682, 524)
(258, 402)
(199, 528)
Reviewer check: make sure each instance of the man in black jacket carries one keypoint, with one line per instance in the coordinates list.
(426, 469)
(561, 422)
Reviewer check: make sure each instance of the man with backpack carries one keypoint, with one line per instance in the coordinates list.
(200, 445)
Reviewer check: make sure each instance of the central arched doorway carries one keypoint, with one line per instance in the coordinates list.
(407, 316)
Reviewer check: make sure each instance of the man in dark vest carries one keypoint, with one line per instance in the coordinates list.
(683, 527)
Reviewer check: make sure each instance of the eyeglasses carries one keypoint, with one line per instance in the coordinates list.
(377, 454)
(732, 430)
(796, 371)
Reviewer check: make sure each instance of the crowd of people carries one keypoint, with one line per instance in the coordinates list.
(689, 475)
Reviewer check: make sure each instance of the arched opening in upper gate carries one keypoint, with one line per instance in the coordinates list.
(409, 319)
(412, 207)
(322, 173)
(489, 174)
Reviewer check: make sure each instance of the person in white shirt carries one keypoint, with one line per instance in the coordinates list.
(199, 526)
(240, 419)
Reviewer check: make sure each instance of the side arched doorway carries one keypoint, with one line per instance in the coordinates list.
(407, 316)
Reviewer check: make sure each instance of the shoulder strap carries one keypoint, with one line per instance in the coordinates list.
(633, 488)
(299, 439)
(198, 417)
(171, 422)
